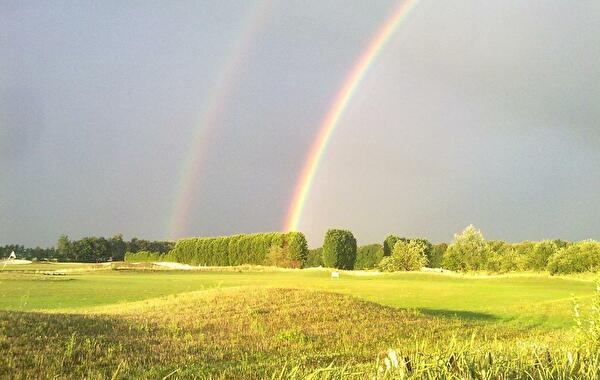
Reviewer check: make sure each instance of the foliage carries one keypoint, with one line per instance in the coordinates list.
(537, 258)
(368, 256)
(297, 247)
(239, 249)
(98, 249)
(588, 325)
(407, 256)
(280, 257)
(143, 256)
(339, 249)
(389, 243)
(315, 258)
(508, 260)
(469, 251)
(22, 252)
(583, 256)
(436, 255)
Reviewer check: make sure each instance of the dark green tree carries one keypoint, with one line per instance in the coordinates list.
(339, 249)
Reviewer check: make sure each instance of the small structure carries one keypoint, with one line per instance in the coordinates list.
(335, 274)
(12, 255)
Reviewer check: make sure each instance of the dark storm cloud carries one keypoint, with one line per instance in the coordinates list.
(476, 112)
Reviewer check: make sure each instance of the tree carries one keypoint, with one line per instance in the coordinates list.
(297, 247)
(63, 247)
(406, 256)
(437, 253)
(315, 258)
(469, 251)
(368, 256)
(339, 249)
(539, 255)
(117, 247)
(583, 256)
(389, 243)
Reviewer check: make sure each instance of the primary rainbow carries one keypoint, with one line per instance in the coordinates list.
(218, 95)
(360, 68)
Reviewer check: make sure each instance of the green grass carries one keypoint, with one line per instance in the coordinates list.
(288, 324)
(531, 301)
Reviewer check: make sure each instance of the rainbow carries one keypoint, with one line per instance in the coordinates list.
(329, 124)
(218, 95)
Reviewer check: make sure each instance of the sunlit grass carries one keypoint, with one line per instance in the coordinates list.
(288, 324)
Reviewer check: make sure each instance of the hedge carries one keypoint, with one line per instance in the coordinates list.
(144, 256)
(240, 249)
(339, 249)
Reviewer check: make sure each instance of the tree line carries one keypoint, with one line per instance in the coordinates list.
(88, 249)
(469, 251)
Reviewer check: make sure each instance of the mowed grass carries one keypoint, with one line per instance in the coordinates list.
(521, 300)
(224, 333)
(288, 324)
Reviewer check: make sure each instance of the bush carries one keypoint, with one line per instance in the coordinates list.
(339, 249)
(368, 256)
(406, 256)
(468, 251)
(315, 258)
(239, 249)
(580, 257)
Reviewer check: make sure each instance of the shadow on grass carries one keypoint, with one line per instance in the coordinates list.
(461, 314)
(47, 345)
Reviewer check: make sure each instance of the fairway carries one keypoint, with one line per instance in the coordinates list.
(523, 300)
(257, 322)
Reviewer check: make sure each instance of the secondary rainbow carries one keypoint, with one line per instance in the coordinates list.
(329, 124)
(190, 173)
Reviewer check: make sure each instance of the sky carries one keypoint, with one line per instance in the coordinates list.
(474, 112)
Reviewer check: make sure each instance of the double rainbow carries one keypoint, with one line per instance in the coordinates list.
(342, 99)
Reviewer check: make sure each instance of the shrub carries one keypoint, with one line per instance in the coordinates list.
(406, 256)
(339, 249)
(315, 258)
(580, 257)
(468, 251)
(368, 256)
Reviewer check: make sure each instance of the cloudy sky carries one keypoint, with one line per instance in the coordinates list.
(475, 112)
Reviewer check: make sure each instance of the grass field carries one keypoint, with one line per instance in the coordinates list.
(98, 323)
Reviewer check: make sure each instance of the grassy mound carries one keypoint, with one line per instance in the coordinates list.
(244, 332)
